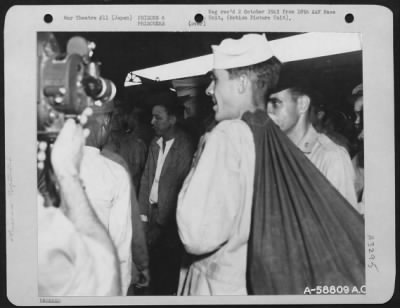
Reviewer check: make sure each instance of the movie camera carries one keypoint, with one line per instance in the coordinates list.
(67, 83)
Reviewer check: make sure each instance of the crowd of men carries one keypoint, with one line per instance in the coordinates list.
(224, 202)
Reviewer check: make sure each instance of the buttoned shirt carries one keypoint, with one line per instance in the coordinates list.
(332, 160)
(107, 185)
(69, 262)
(162, 155)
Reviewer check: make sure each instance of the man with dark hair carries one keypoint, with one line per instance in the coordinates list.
(290, 108)
(214, 208)
(168, 162)
(125, 141)
(140, 276)
(127, 150)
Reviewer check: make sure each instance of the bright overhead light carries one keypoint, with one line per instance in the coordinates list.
(288, 49)
(314, 45)
(180, 69)
(132, 80)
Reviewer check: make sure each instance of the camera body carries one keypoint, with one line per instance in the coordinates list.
(67, 83)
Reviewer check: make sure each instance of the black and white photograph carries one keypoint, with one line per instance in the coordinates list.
(195, 165)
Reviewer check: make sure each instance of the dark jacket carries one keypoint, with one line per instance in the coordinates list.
(175, 168)
(133, 150)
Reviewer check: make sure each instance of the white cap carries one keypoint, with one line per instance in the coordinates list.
(248, 50)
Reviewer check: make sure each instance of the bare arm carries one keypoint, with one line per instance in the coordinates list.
(66, 157)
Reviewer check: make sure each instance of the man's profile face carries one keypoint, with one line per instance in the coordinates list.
(161, 121)
(223, 91)
(282, 109)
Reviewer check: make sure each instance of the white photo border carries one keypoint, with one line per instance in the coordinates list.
(22, 24)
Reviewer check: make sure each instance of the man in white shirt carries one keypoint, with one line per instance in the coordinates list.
(168, 162)
(290, 109)
(108, 187)
(76, 256)
(214, 206)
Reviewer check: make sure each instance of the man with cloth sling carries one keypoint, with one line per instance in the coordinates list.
(302, 230)
(214, 205)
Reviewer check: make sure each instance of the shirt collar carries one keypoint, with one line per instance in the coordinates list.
(167, 143)
(307, 143)
(91, 150)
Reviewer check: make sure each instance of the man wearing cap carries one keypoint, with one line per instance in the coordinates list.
(108, 187)
(168, 162)
(290, 108)
(214, 205)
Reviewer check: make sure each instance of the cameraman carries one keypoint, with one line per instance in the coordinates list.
(75, 253)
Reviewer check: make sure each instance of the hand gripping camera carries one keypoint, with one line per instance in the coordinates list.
(67, 83)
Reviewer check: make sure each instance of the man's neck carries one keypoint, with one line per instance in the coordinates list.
(248, 106)
(298, 132)
(169, 135)
(92, 143)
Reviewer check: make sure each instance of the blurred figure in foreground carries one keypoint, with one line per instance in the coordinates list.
(76, 256)
(108, 186)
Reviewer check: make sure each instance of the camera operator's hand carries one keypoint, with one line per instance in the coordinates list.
(66, 157)
(67, 151)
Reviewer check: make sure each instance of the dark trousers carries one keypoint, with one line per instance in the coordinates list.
(165, 264)
(165, 254)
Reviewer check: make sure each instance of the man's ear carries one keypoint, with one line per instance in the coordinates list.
(243, 83)
(303, 103)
